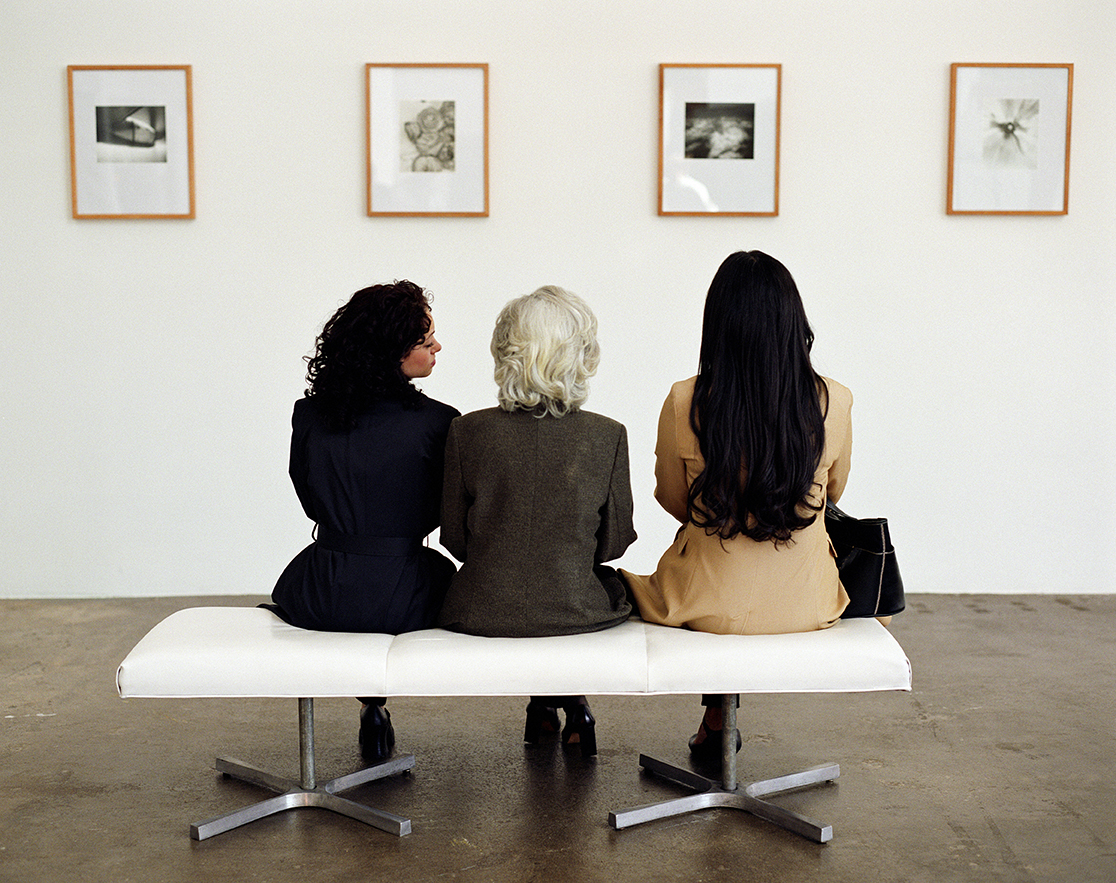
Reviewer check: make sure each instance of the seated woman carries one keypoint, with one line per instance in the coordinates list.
(747, 453)
(366, 462)
(537, 496)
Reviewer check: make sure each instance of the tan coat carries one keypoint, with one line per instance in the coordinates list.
(741, 586)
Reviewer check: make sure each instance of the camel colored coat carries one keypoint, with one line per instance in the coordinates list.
(741, 586)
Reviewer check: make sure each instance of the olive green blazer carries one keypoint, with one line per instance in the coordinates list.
(531, 506)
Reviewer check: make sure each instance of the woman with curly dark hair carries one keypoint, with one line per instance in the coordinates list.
(366, 461)
(748, 451)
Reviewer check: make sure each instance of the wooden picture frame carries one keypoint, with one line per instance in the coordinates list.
(427, 140)
(131, 141)
(1009, 139)
(719, 139)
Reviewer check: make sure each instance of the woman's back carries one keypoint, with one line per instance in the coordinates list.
(742, 586)
(382, 478)
(531, 505)
(374, 492)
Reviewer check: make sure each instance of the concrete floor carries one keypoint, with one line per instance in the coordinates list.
(997, 767)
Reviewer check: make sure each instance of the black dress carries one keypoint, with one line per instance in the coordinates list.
(375, 493)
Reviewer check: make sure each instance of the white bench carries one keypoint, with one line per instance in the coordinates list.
(225, 652)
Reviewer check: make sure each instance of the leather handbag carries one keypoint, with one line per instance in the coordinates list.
(866, 562)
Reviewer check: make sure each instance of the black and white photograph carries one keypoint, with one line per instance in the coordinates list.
(720, 131)
(131, 134)
(709, 116)
(131, 141)
(1009, 135)
(427, 140)
(1012, 134)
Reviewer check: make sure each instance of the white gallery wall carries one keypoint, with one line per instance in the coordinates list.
(150, 366)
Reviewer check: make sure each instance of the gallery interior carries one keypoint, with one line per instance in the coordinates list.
(153, 363)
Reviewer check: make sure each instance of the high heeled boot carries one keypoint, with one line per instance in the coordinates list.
(541, 718)
(377, 735)
(580, 727)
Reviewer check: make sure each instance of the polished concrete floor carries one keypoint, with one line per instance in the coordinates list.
(997, 767)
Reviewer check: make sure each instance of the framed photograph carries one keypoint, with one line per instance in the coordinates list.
(1009, 139)
(719, 139)
(131, 141)
(427, 140)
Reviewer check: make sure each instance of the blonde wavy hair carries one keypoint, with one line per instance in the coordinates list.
(545, 347)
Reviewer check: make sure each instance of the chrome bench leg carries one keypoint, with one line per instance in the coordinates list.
(728, 793)
(307, 792)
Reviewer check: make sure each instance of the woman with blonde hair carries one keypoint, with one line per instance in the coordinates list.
(537, 496)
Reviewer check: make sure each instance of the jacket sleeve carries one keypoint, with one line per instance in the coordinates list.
(671, 488)
(299, 466)
(616, 531)
(839, 471)
(455, 500)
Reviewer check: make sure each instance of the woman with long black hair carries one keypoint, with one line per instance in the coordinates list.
(367, 450)
(748, 451)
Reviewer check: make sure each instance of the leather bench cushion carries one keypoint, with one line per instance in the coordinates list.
(235, 651)
(440, 663)
(853, 656)
(230, 652)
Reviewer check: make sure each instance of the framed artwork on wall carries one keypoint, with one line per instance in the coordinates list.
(427, 127)
(719, 139)
(131, 141)
(1009, 139)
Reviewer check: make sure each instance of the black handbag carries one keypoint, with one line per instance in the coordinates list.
(866, 562)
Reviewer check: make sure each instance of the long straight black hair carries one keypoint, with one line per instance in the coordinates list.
(757, 409)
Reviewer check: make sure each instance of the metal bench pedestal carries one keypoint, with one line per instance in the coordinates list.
(728, 793)
(307, 792)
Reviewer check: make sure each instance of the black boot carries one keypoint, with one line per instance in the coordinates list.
(377, 736)
(580, 727)
(541, 718)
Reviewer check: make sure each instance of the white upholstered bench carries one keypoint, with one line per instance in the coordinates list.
(225, 652)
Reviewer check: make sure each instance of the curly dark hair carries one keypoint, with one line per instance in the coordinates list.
(758, 408)
(358, 355)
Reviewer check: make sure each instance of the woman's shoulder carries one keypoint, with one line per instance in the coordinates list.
(518, 422)
(437, 409)
(484, 415)
(680, 398)
(598, 422)
(305, 412)
(840, 397)
(478, 421)
(306, 409)
(683, 390)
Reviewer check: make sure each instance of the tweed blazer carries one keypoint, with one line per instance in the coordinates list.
(741, 586)
(532, 506)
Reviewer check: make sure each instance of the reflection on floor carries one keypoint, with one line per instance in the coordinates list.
(997, 767)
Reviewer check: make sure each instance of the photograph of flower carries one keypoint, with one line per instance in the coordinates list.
(427, 144)
(131, 141)
(1012, 133)
(719, 139)
(1009, 136)
(427, 139)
